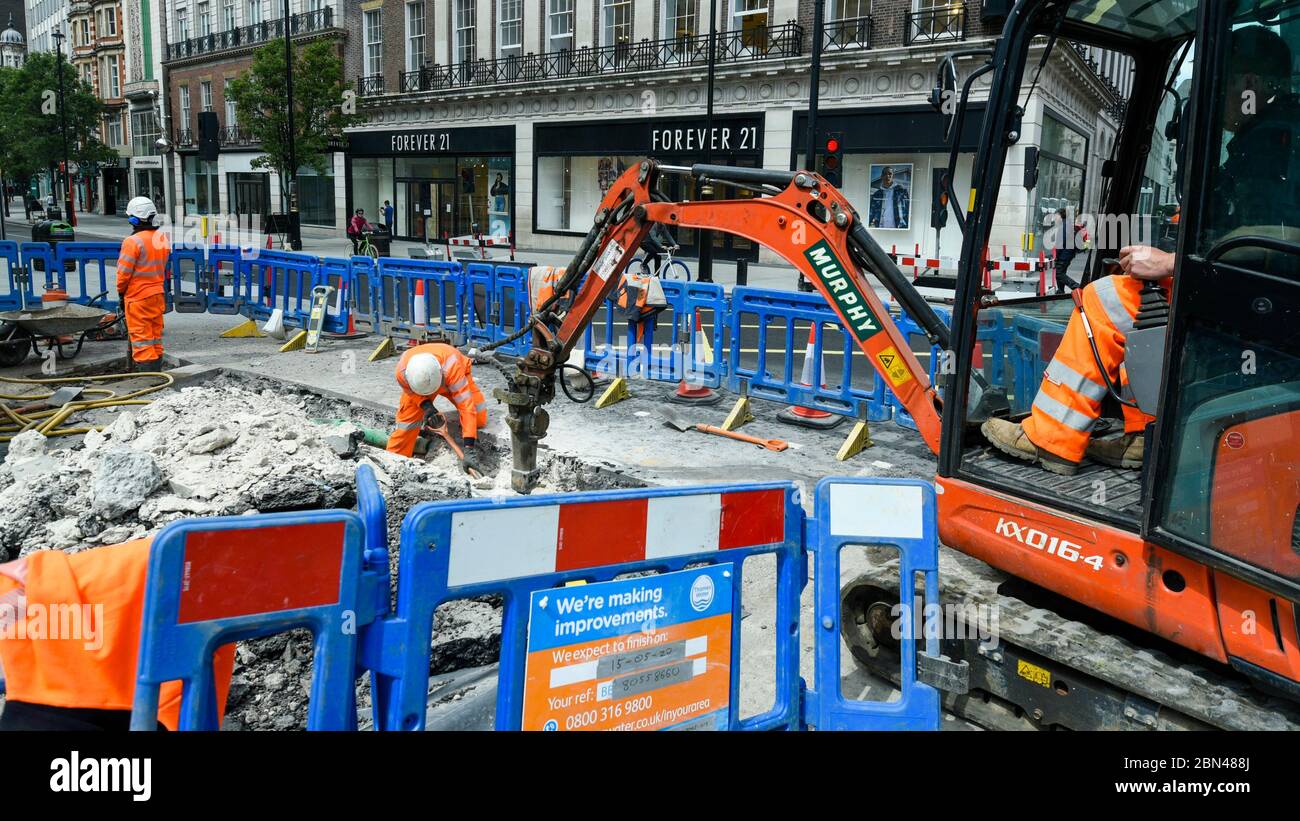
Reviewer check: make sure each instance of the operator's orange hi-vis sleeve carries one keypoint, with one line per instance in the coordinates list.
(70, 631)
(1069, 399)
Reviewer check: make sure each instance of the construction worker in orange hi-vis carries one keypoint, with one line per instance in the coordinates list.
(141, 281)
(432, 370)
(1058, 432)
(70, 637)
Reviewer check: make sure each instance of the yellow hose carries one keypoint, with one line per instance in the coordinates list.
(47, 421)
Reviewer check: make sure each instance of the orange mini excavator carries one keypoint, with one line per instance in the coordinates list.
(1135, 599)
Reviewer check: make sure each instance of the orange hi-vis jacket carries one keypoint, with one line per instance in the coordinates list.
(457, 385)
(142, 265)
(1069, 399)
(70, 631)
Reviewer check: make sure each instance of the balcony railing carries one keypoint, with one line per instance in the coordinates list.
(935, 25)
(371, 85)
(233, 135)
(758, 43)
(186, 137)
(849, 33)
(1118, 105)
(251, 35)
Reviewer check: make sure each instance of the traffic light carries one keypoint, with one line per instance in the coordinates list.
(832, 160)
(938, 199)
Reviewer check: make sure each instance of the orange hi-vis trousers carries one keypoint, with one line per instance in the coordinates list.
(144, 324)
(1069, 399)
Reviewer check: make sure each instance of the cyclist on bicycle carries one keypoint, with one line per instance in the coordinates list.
(356, 228)
(656, 242)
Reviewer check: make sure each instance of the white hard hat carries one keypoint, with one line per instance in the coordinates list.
(142, 208)
(424, 374)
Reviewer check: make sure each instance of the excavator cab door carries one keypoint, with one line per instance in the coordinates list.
(1223, 476)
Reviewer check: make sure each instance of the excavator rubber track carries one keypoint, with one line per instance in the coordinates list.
(1046, 671)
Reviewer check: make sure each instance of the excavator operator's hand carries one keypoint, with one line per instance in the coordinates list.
(1145, 262)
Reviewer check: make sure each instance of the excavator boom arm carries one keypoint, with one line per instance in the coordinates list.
(799, 216)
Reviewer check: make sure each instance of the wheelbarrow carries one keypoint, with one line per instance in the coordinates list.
(63, 330)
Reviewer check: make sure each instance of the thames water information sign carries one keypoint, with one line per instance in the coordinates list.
(648, 653)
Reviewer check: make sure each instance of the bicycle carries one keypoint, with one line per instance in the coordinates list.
(365, 247)
(669, 268)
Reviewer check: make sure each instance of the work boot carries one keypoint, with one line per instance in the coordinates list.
(1124, 451)
(1011, 439)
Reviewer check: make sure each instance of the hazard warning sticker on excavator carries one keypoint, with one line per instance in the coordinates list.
(893, 365)
(1034, 673)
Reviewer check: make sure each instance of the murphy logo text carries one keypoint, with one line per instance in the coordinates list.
(853, 305)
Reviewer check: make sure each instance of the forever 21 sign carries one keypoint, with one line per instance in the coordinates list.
(414, 142)
(720, 138)
(420, 142)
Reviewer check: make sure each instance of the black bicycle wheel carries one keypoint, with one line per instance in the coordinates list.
(15, 344)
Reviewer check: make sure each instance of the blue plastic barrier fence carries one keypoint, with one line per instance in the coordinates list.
(511, 306)
(586, 647)
(363, 294)
(216, 581)
(756, 312)
(226, 289)
(1034, 340)
(279, 279)
(682, 346)
(94, 269)
(38, 259)
(400, 304)
(15, 284)
(337, 274)
(895, 513)
(187, 279)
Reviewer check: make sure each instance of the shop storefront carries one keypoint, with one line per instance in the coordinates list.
(147, 180)
(894, 158)
(1062, 175)
(438, 183)
(576, 163)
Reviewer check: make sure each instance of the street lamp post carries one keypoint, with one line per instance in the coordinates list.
(63, 129)
(291, 185)
(706, 237)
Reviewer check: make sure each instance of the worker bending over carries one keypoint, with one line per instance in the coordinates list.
(1058, 432)
(429, 371)
(141, 281)
(70, 638)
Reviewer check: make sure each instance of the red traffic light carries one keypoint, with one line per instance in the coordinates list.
(832, 146)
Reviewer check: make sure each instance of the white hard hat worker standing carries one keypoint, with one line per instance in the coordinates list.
(142, 281)
(428, 371)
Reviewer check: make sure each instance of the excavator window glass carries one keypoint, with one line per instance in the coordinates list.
(1227, 469)
(1146, 19)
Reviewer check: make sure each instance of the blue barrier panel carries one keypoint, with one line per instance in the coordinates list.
(1033, 341)
(15, 284)
(227, 289)
(896, 513)
(689, 344)
(38, 258)
(790, 314)
(376, 589)
(336, 273)
(187, 275)
(522, 547)
(216, 581)
(279, 279)
(441, 309)
(363, 294)
(94, 269)
(479, 279)
(511, 306)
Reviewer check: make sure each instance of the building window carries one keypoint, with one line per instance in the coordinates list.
(252, 12)
(110, 27)
(232, 119)
(559, 25)
(465, 10)
(616, 22)
(414, 35)
(941, 20)
(679, 18)
(374, 44)
(113, 130)
(203, 17)
(144, 133)
(750, 19)
(510, 24)
(228, 14)
(85, 32)
(850, 9)
(182, 24)
(114, 85)
(205, 95)
(185, 108)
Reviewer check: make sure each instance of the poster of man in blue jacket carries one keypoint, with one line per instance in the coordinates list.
(890, 196)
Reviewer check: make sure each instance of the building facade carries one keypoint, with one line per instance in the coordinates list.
(96, 44)
(43, 17)
(145, 101)
(208, 44)
(515, 116)
(13, 45)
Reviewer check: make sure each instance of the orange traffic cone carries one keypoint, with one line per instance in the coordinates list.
(685, 394)
(419, 314)
(809, 417)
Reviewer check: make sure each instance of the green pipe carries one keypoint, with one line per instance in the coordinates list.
(372, 436)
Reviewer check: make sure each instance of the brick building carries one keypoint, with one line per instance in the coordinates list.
(515, 115)
(208, 44)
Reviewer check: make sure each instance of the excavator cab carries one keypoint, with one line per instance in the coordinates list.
(1202, 545)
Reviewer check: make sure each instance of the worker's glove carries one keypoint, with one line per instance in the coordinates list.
(472, 460)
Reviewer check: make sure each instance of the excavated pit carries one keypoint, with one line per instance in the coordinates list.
(231, 443)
